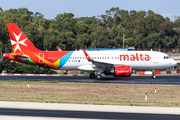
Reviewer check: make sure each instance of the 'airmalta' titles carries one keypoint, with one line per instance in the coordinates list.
(133, 57)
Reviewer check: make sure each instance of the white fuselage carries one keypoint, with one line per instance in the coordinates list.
(138, 60)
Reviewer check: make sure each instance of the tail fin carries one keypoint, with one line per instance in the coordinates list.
(19, 41)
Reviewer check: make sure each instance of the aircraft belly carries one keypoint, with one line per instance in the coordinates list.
(142, 65)
(73, 66)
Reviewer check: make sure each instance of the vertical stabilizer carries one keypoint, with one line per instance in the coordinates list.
(19, 41)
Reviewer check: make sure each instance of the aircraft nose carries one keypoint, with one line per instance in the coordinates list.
(174, 63)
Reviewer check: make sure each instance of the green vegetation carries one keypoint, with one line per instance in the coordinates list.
(89, 93)
(141, 30)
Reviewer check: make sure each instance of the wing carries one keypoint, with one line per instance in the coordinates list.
(102, 64)
(59, 49)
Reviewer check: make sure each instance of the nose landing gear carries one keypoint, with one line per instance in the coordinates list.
(153, 74)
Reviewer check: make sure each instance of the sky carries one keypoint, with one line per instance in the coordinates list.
(89, 8)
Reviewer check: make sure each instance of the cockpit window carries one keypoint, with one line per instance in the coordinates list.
(167, 57)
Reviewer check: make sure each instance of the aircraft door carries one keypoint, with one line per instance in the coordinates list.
(155, 59)
(41, 59)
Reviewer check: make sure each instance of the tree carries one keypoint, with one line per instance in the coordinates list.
(81, 27)
(1, 10)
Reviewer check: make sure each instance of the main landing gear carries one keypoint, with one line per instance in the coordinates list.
(98, 76)
(92, 75)
(153, 75)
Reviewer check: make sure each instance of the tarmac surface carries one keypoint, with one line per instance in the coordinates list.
(53, 111)
(162, 79)
(49, 111)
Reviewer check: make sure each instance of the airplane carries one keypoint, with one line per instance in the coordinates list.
(117, 63)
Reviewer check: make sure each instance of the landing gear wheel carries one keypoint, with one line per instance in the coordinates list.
(92, 75)
(153, 76)
(98, 76)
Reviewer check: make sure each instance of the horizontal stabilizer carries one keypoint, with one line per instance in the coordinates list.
(22, 57)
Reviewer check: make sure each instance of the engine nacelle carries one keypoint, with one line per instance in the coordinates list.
(120, 71)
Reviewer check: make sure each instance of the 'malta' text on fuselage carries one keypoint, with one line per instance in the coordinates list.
(133, 57)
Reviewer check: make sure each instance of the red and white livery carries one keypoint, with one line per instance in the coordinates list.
(117, 63)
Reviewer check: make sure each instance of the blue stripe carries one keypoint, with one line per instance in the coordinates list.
(101, 49)
(63, 61)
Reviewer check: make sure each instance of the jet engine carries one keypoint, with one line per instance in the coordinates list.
(119, 71)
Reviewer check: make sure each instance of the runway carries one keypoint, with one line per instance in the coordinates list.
(53, 111)
(163, 79)
(49, 111)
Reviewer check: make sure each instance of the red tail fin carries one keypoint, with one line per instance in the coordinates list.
(19, 41)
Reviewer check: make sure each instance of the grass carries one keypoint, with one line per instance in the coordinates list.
(89, 93)
(40, 81)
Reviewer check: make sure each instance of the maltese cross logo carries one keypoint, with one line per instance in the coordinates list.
(17, 42)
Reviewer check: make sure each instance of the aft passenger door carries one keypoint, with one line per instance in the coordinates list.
(41, 59)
